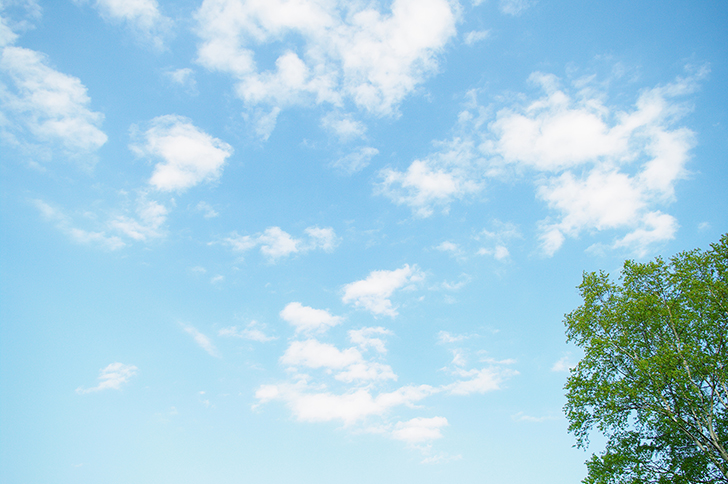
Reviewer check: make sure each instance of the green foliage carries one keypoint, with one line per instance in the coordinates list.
(653, 375)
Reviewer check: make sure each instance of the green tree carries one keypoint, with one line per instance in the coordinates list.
(653, 375)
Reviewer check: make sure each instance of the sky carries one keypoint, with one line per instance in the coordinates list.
(332, 241)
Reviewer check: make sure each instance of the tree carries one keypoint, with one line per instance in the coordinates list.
(653, 375)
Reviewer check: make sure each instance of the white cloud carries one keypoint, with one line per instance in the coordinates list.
(350, 407)
(564, 364)
(276, 243)
(184, 77)
(373, 293)
(254, 331)
(189, 155)
(314, 354)
(151, 216)
(365, 340)
(444, 337)
(207, 209)
(514, 7)
(64, 223)
(141, 16)
(475, 36)
(45, 106)
(308, 319)
(435, 181)
(202, 340)
(321, 238)
(111, 377)
(479, 381)
(349, 51)
(343, 125)
(419, 430)
(522, 417)
(356, 161)
(596, 167)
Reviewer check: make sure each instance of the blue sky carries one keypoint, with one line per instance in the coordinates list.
(323, 241)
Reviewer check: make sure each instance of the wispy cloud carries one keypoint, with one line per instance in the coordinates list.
(276, 244)
(307, 319)
(254, 331)
(203, 341)
(142, 17)
(111, 377)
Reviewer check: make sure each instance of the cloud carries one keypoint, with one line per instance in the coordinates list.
(42, 105)
(151, 216)
(419, 430)
(348, 52)
(514, 7)
(373, 293)
(111, 377)
(254, 331)
(207, 210)
(349, 407)
(356, 161)
(563, 365)
(275, 243)
(435, 181)
(595, 166)
(479, 381)
(189, 155)
(184, 77)
(308, 319)
(141, 16)
(475, 36)
(350, 364)
(202, 340)
(365, 340)
(521, 417)
(343, 125)
(64, 223)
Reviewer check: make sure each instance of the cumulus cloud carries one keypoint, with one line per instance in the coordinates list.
(475, 36)
(254, 331)
(419, 430)
(479, 380)
(373, 293)
(203, 341)
(349, 52)
(44, 108)
(308, 319)
(111, 377)
(142, 17)
(597, 167)
(343, 125)
(366, 338)
(275, 243)
(189, 155)
(564, 364)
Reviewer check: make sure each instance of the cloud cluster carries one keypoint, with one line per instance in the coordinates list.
(348, 51)
(41, 106)
(111, 377)
(596, 167)
(275, 243)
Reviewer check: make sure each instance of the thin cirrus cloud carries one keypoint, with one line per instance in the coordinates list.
(596, 167)
(42, 106)
(373, 293)
(201, 339)
(350, 51)
(65, 224)
(254, 331)
(111, 377)
(189, 156)
(275, 243)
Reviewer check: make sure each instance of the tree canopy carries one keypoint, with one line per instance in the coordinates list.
(653, 375)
